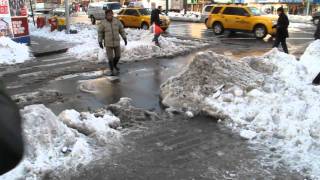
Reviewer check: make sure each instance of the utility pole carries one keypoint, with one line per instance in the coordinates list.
(308, 7)
(67, 16)
(185, 6)
(167, 7)
(32, 14)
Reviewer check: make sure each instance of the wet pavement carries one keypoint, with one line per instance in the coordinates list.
(182, 149)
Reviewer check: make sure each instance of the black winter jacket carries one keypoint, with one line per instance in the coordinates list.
(282, 26)
(155, 17)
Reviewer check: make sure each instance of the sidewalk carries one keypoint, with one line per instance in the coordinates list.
(43, 47)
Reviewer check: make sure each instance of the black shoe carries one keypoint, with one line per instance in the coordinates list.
(111, 74)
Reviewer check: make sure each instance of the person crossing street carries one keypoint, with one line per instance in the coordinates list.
(109, 31)
(282, 30)
(155, 21)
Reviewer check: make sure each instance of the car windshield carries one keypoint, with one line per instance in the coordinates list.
(144, 12)
(113, 6)
(255, 11)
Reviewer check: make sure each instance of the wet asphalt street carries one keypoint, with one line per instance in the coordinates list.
(172, 148)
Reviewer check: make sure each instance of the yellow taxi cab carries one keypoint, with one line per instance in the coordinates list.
(140, 18)
(241, 18)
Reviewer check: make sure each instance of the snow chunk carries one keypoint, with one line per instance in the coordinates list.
(189, 114)
(90, 125)
(12, 52)
(247, 134)
(54, 149)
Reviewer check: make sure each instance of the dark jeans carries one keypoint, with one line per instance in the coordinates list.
(156, 38)
(283, 44)
(113, 54)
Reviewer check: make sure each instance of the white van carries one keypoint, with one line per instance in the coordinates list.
(96, 10)
(206, 12)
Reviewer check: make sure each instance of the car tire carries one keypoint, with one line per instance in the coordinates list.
(93, 20)
(144, 26)
(217, 28)
(260, 31)
(316, 21)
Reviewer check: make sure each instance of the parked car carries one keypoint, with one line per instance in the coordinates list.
(96, 11)
(140, 18)
(241, 18)
(206, 10)
(316, 17)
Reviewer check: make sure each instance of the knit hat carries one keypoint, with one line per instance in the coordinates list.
(280, 9)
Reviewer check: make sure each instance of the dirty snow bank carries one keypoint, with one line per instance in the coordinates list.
(140, 45)
(12, 52)
(56, 146)
(282, 113)
(188, 17)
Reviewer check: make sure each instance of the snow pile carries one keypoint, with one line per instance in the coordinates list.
(299, 18)
(97, 127)
(190, 16)
(54, 146)
(208, 73)
(301, 25)
(282, 113)
(140, 45)
(12, 52)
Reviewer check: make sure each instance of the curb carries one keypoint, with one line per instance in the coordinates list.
(47, 53)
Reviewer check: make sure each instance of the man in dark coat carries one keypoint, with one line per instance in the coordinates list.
(282, 30)
(11, 144)
(155, 19)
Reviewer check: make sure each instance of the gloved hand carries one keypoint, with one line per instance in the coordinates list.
(101, 45)
(125, 41)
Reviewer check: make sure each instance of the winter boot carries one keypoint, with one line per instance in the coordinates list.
(115, 64)
(111, 68)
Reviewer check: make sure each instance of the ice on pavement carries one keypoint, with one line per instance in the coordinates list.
(12, 52)
(282, 113)
(140, 45)
(55, 146)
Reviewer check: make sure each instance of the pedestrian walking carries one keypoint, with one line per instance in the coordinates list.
(109, 31)
(155, 22)
(282, 30)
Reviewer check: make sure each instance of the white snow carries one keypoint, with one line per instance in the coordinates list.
(190, 16)
(299, 19)
(140, 45)
(301, 25)
(55, 145)
(12, 52)
(284, 112)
